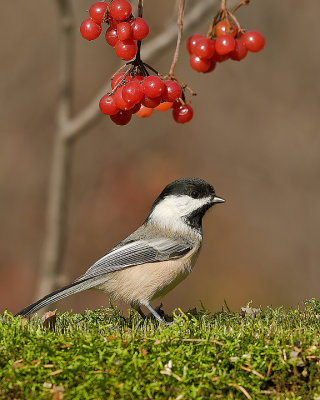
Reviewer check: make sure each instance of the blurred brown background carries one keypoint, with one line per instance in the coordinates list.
(254, 136)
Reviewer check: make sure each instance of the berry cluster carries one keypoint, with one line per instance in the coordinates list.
(134, 93)
(228, 41)
(123, 30)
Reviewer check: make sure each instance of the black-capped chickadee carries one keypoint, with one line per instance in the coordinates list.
(154, 258)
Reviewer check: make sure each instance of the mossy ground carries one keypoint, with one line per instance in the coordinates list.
(271, 354)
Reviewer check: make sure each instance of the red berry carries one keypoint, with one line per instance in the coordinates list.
(132, 92)
(213, 64)
(177, 105)
(225, 28)
(219, 57)
(153, 86)
(135, 108)
(182, 114)
(140, 28)
(118, 77)
(254, 41)
(97, 11)
(121, 118)
(111, 36)
(126, 49)
(89, 29)
(172, 91)
(240, 51)
(108, 105)
(166, 105)
(192, 41)
(144, 112)
(120, 9)
(199, 64)
(204, 48)
(113, 22)
(120, 101)
(124, 31)
(151, 102)
(225, 44)
(138, 78)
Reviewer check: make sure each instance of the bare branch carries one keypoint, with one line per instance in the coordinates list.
(51, 266)
(65, 61)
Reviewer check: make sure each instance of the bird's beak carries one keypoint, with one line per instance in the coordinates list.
(217, 199)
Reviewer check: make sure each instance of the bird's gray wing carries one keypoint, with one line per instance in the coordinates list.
(138, 252)
(128, 253)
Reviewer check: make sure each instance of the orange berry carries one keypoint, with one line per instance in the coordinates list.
(225, 28)
(166, 105)
(144, 112)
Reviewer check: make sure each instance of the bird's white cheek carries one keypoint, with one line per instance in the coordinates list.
(171, 211)
(187, 205)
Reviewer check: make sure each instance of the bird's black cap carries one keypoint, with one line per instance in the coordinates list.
(186, 186)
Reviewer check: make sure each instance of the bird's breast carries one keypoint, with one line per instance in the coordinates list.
(142, 283)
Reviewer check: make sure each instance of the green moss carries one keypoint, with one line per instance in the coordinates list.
(274, 353)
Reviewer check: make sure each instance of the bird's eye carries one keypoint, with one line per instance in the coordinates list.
(195, 194)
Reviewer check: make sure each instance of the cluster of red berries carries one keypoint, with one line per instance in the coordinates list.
(229, 42)
(123, 30)
(136, 94)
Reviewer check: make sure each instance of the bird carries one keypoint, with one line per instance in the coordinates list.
(156, 257)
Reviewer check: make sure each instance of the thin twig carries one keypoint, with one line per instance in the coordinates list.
(269, 369)
(252, 371)
(242, 3)
(242, 389)
(179, 37)
(203, 340)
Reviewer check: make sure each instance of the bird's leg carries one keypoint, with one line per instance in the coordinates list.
(160, 311)
(156, 315)
(137, 308)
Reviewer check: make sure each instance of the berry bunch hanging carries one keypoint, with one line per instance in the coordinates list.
(123, 30)
(137, 92)
(226, 39)
(134, 91)
(140, 89)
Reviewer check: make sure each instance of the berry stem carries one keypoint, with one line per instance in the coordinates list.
(180, 28)
(140, 13)
(138, 55)
(224, 13)
(230, 13)
(151, 68)
(122, 81)
(188, 88)
(119, 70)
(213, 23)
(237, 6)
(140, 8)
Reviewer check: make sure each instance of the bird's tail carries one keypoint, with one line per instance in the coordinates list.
(74, 287)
